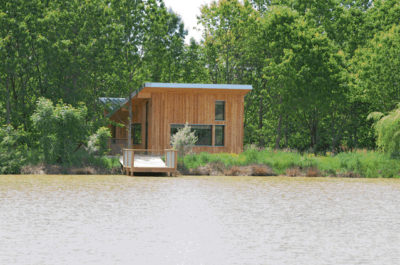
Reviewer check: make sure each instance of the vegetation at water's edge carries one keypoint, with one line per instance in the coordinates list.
(60, 142)
(361, 163)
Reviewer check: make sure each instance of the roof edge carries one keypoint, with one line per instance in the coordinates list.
(181, 85)
(199, 86)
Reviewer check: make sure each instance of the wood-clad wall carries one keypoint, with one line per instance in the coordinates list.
(178, 106)
(196, 106)
(138, 116)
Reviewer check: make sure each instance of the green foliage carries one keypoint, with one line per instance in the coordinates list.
(183, 140)
(98, 142)
(12, 150)
(363, 163)
(376, 71)
(317, 67)
(81, 158)
(44, 121)
(387, 130)
(62, 129)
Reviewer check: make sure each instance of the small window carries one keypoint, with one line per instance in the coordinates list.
(137, 133)
(219, 135)
(219, 110)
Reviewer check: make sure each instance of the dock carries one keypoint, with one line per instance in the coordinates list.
(149, 161)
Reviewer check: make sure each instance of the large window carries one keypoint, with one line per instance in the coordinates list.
(219, 135)
(203, 133)
(137, 133)
(219, 110)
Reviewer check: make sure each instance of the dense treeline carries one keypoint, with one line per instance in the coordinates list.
(318, 68)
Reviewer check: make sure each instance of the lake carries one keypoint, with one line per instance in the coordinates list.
(198, 220)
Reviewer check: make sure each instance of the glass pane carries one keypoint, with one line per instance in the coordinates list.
(219, 110)
(175, 128)
(219, 135)
(203, 133)
(137, 133)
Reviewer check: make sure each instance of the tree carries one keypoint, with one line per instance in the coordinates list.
(62, 129)
(12, 150)
(387, 130)
(376, 71)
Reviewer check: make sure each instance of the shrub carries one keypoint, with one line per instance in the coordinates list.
(44, 121)
(12, 150)
(62, 129)
(184, 140)
(98, 142)
(387, 130)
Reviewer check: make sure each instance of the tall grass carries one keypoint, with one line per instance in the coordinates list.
(369, 164)
(81, 158)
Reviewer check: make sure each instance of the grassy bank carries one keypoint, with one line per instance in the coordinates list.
(362, 163)
(82, 163)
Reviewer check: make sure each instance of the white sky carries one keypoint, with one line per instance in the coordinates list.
(188, 10)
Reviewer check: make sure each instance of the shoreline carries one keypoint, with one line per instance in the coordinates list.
(90, 171)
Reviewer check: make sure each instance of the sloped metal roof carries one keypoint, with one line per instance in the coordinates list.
(116, 103)
(112, 104)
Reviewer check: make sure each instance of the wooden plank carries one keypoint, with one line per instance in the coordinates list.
(144, 95)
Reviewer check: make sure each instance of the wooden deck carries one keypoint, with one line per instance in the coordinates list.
(149, 161)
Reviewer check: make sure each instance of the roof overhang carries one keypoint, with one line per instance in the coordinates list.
(181, 86)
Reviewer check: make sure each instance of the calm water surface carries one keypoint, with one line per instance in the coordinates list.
(198, 220)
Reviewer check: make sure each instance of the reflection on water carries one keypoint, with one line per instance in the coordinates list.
(198, 220)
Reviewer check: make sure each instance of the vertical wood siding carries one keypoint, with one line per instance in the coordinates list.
(194, 106)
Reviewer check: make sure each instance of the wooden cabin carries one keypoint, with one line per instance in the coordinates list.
(215, 113)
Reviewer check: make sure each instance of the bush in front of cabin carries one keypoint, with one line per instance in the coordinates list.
(98, 142)
(183, 140)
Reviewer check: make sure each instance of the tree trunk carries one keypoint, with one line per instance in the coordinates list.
(333, 135)
(8, 106)
(227, 65)
(130, 120)
(313, 127)
(260, 123)
(278, 132)
(314, 137)
(286, 131)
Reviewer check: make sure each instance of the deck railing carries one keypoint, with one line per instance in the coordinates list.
(145, 160)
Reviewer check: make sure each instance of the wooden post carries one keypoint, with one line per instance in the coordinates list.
(176, 160)
(133, 161)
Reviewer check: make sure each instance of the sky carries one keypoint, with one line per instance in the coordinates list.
(188, 10)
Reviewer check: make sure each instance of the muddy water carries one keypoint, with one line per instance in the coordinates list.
(198, 220)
